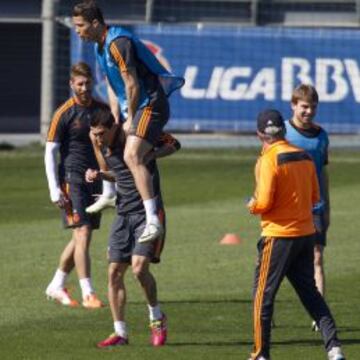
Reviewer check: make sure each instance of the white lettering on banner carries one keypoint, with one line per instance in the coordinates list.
(263, 84)
(352, 69)
(214, 86)
(188, 90)
(331, 71)
(334, 79)
(290, 77)
(227, 89)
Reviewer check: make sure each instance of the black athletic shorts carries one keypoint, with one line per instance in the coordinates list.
(124, 235)
(149, 122)
(80, 195)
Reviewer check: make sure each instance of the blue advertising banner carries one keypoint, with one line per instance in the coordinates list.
(232, 73)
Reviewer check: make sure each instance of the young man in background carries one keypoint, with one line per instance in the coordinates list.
(304, 133)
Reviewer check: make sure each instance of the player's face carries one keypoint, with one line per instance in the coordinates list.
(86, 30)
(101, 135)
(82, 88)
(304, 112)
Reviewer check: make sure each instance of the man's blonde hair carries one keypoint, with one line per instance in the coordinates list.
(305, 92)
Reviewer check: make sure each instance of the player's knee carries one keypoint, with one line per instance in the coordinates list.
(82, 243)
(131, 157)
(114, 274)
(139, 270)
(82, 234)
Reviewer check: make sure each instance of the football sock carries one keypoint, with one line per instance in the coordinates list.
(120, 328)
(150, 209)
(86, 287)
(59, 279)
(154, 312)
(108, 189)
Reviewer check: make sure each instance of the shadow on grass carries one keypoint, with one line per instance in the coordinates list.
(348, 329)
(315, 342)
(207, 301)
(210, 343)
(302, 342)
(196, 301)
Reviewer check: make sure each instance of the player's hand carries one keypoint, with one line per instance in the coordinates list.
(91, 175)
(63, 201)
(250, 202)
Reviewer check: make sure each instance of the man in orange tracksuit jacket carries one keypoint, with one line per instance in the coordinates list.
(286, 190)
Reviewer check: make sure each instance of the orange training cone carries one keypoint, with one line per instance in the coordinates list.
(230, 239)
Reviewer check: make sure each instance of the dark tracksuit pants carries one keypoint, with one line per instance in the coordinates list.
(293, 258)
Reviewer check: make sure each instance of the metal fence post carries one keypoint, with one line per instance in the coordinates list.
(47, 65)
(149, 11)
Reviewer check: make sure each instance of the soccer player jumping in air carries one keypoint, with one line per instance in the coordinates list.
(138, 88)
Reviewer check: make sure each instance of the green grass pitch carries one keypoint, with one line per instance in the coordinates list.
(204, 288)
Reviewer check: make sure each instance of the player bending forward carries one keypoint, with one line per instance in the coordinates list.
(124, 246)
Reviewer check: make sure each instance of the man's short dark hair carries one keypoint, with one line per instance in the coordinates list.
(102, 117)
(89, 11)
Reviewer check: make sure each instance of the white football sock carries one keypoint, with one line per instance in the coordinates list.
(120, 329)
(59, 279)
(108, 189)
(154, 312)
(150, 209)
(86, 287)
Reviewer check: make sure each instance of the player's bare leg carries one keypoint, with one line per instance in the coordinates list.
(158, 324)
(117, 290)
(82, 239)
(141, 271)
(319, 268)
(56, 290)
(319, 274)
(66, 262)
(134, 154)
(117, 301)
